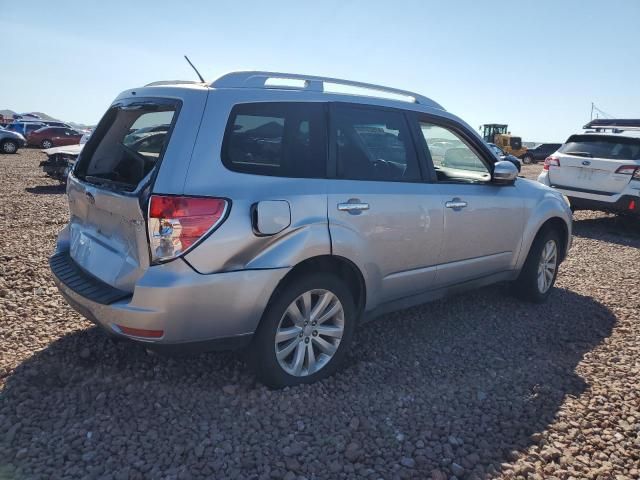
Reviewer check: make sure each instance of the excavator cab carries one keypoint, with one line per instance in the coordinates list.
(498, 133)
(490, 130)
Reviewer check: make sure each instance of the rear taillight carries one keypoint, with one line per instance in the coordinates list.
(551, 162)
(176, 223)
(628, 170)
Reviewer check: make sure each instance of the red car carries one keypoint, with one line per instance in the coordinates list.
(48, 137)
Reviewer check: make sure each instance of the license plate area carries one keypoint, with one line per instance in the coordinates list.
(585, 174)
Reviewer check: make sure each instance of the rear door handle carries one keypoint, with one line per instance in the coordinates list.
(456, 204)
(353, 206)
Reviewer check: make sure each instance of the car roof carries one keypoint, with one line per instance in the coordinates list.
(304, 83)
(624, 134)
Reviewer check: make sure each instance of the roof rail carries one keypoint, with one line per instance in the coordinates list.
(171, 82)
(614, 124)
(312, 83)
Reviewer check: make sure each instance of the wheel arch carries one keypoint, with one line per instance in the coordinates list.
(340, 266)
(553, 222)
(557, 224)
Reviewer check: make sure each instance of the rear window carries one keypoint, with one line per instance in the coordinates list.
(127, 144)
(599, 146)
(374, 144)
(277, 139)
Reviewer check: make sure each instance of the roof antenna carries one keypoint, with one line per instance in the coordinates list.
(196, 70)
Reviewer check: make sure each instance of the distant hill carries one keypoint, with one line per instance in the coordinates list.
(43, 116)
(7, 113)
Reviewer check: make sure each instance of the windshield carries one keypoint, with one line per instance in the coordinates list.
(127, 144)
(600, 146)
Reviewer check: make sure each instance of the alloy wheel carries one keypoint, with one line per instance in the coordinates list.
(547, 266)
(9, 147)
(309, 332)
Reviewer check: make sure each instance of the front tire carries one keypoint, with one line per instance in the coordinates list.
(540, 270)
(9, 146)
(527, 159)
(305, 331)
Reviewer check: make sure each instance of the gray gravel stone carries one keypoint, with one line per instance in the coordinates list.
(408, 462)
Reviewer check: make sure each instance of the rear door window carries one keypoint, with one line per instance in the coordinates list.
(600, 146)
(277, 139)
(128, 143)
(373, 144)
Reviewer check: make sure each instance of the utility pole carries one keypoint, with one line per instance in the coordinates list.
(591, 111)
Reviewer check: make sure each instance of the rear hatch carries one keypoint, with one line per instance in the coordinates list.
(589, 163)
(110, 186)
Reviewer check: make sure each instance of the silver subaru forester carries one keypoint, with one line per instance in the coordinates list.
(275, 212)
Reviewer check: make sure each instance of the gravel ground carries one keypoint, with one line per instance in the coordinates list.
(478, 386)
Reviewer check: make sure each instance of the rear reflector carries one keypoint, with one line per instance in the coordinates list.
(632, 205)
(551, 162)
(140, 332)
(176, 223)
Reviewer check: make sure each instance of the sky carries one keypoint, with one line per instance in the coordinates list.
(536, 65)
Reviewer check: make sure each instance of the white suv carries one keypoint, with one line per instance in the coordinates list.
(599, 169)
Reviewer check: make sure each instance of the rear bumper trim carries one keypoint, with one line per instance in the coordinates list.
(76, 279)
(621, 205)
(186, 306)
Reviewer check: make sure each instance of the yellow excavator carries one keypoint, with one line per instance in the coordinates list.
(498, 133)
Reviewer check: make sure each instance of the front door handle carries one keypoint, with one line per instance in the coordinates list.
(353, 206)
(456, 204)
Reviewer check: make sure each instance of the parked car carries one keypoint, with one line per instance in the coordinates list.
(598, 170)
(539, 153)
(135, 135)
(11, 141)
(25, 128)
(60, 161)
(253, 221)
(55, 123)
(502, 155)
(48, 137)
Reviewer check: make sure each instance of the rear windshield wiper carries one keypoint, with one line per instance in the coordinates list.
(580, 154)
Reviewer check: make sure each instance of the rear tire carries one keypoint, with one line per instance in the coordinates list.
(527, 159)
(310, 323)
(540, 270)
(46, 143)
(9, 146)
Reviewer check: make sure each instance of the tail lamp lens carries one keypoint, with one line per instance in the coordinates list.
(627, 170)
(551, 162)
(176, 223)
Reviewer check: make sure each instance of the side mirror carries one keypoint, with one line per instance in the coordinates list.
(504, 172)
